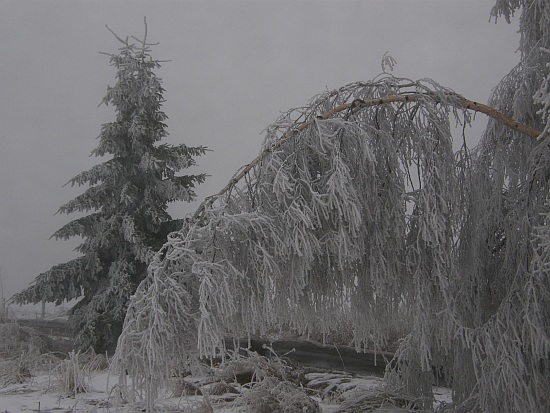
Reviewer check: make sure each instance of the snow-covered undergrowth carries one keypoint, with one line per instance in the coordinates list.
(32, 379)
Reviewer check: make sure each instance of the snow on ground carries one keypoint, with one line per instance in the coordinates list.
(41, 394)
(43, 389)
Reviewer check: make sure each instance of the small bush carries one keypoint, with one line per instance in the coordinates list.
(13, 371)
(21, 353)
(16, 340)
(74, 374)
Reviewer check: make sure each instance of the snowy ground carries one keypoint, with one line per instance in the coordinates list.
(40, 394)
(43, 387)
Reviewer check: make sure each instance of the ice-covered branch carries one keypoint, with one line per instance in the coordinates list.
(357, 208)
(358, 104)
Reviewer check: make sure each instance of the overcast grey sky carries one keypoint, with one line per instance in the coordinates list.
(235, 66)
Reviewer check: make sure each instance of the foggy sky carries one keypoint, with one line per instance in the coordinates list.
(233, 67)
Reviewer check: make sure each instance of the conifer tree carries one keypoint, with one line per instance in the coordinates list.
(128, 195)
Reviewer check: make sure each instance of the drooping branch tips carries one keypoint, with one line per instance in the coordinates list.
(352, 208)
(357, 104)
(357, 208)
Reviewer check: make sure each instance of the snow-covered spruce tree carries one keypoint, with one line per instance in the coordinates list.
(128, 194)
(358, 204)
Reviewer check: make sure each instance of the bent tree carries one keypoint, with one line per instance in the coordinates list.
(129, 194)
(358, 207)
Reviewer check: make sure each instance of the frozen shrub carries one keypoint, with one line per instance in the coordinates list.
(74, 374)
(274, 396)
(15, 339)
(255, 368)
(374, 399)
(22, 352)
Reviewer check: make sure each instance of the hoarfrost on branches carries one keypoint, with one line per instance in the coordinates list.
(358, 207)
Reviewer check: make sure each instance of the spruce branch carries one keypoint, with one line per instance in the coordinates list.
(124, 42)
(143, 41)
